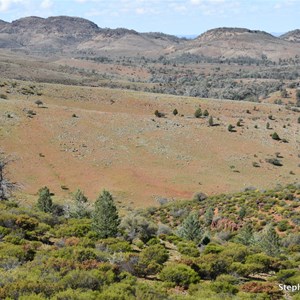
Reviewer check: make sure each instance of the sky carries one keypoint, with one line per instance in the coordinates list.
(178, 17)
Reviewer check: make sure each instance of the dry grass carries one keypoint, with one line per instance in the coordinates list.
(117, 143)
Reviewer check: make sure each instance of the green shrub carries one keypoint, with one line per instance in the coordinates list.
(179, 274)
(73, 227)
(284, 275)
(3, 96)
(198, 113)
(118, 291)
(220, 287)
(230, 128)
(151, 259)
(71, 294)
(283, 225)
(189, 249)
(113, 245)
(275, 136)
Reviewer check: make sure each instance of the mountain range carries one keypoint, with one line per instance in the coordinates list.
(65, 35)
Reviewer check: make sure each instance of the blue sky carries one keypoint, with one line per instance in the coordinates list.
(182, 17)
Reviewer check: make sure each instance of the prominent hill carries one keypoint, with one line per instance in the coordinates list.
(51, 34)
(292, 36)
(72, 34)
(69, 35)
(234, 42)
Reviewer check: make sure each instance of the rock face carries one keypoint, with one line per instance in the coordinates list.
(292, 36)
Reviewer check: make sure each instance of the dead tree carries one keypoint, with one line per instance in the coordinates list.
(6, 185)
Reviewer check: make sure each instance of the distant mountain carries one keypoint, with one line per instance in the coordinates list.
(187, 36)
(71, 34)
(277, 34)
(65, 35)
(292, 36)
(234, 42)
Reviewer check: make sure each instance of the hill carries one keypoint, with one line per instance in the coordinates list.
(292, 36)
(65, 35)
(97, 138)
(235, 42)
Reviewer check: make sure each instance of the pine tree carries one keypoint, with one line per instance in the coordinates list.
(245, 235)
(175, 112)
(269, 241)
(211, 121)
(81, 202)
(198, 113)
(45, 201)
(242, 212)
(105, 218)
(208, 216)
(191, 228)
(206, 113)
(275, 136)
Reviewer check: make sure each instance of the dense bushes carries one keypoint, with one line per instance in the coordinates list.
(179, 274)
(43, 256)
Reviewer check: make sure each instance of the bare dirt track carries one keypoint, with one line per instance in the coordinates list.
(115, 142)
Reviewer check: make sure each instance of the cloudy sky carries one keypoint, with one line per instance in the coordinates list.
(181, 17)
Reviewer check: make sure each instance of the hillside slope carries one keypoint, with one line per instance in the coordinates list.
(114, 141)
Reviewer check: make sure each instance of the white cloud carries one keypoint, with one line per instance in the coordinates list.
(178, 7)
(140, 10)
(196, 2)
(46, 4)
(5, 5)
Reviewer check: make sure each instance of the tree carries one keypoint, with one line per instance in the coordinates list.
(208, 216)
(175, 112)
(191, 228)
(275, 136)
(6, 185)
(211, 121)
(159, 114)
(268, 125)
(230, 128)
(198, 113)
(105, 217)
(81, 202)
(269, 241)
(206, 113)
(245, 235)
(45, 201)
(242, 212)
(38, 102)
